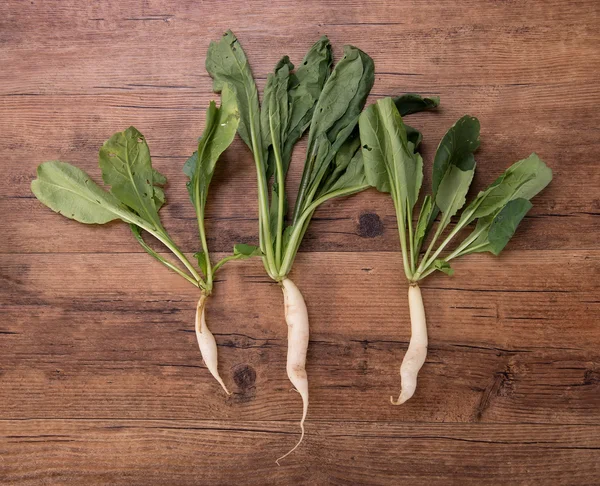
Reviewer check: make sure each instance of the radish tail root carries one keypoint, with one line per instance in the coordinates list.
(207, 343)
(417, 349)
(296, 317)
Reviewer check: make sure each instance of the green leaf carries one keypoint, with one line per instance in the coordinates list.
(126, 166)
(241, 250)
(159, 193)
(390, 165)
(452, 191)
(342, 160)
(353, 176)
(219, 132)
(275, 108)
(456, 149)
(200, 257)
(443, 266)
(410, 103)
(414, 136)
(226, 63)
(274, 208)
(304, 91)
(505, 223)
(334, 119)
(498, 228)
(524, 179)
(71, 192)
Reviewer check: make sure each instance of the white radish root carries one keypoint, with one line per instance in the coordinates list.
(207, 343)
(417, 349)
(296, 317)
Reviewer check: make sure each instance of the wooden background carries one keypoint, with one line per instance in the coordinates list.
(101, 381)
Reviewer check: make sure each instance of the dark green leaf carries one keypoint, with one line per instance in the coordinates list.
(456, 149)
(413, 136)
(274, 116)
(242, 250)
(352, 176)
(505, 224)
(410, 103)
(305, 87)
(334, 119)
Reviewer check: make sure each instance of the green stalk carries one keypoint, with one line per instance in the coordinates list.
(438, 231)
(223, 261)
(476, 247)
(280, 194)
(202, 231)
(400, 218)
(410, 239)
(263, 204)
(465, 244)
(166, 240)
(164, 261)
(426, 264)
(300, 227)
(304, 183)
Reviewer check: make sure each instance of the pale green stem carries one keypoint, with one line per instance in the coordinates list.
(165, 240)
(280, 196)
(438, 231)
(263, 198)
(164, 261)
(223, 261)
(209, 272)
(410, 239)
(299, 227)
(465, 244)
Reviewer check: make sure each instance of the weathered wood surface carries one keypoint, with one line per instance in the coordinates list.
(100, 378)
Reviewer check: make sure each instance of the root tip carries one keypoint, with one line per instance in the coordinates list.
(400, 401)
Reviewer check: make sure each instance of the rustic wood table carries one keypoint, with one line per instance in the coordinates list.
(101, 381)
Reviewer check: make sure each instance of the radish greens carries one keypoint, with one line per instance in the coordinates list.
(136, 196)
(393, 165)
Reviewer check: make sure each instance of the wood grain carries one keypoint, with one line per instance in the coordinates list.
(100, 377)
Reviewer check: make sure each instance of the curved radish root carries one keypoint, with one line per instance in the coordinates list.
(296, 317)
(417, 349)
(207, 343)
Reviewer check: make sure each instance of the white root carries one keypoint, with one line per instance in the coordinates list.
(296, 317)
(417, 349)
(207, 343)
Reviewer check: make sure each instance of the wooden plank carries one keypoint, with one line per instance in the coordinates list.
(185, 452)
(101, 378)
(118, 340)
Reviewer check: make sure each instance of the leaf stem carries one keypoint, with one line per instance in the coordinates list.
(411, 243)
(300, 227)
(223, 261)
(202, 231)
(304, 183)
(168, 242)
(164, 261)
(465, 244)
(438, 231)
(280, 194)
(266, 242)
